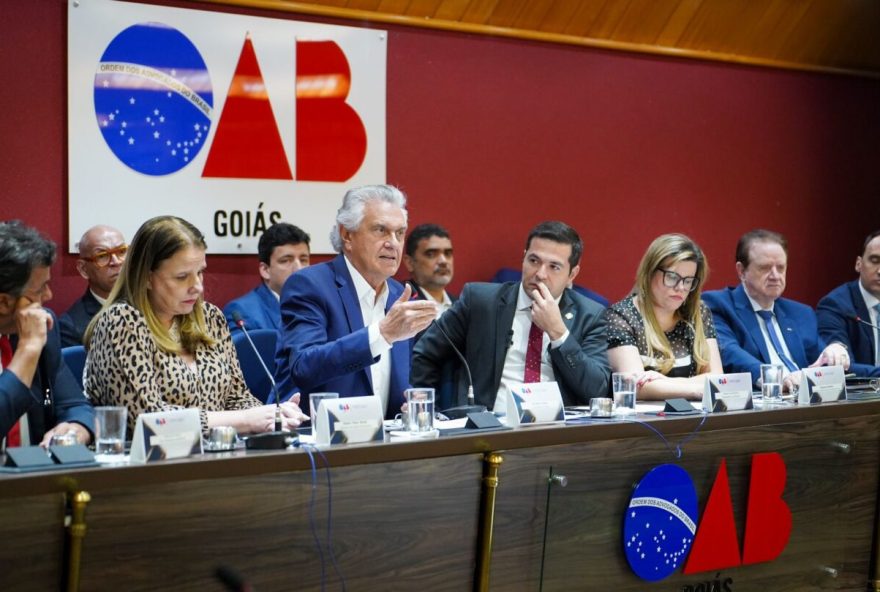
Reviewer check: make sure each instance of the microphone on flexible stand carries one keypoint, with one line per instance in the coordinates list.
(858, 319)
(278, 439)
(471, 407)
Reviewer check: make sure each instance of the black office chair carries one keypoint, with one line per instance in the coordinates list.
(75, 358)
(254, 375)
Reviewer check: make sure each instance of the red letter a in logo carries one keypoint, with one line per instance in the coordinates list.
(716, 546)
(331, 141)
(247, 144)
(768, 522)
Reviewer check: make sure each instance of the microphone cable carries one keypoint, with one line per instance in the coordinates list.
(311, 450)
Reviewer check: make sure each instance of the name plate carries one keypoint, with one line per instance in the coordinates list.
(535, 402)
(165, 435)
(349, 420)
(728, 392)
(823, 384)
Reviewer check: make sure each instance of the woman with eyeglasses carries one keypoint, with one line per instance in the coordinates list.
(663, 331)
(156, 345)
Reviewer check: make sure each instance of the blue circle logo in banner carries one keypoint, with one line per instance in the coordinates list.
(660, 522)
(153, 98)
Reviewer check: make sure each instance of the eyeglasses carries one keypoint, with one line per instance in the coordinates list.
(672, 280)
(102, 258)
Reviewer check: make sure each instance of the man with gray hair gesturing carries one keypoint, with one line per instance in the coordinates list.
(346, 323)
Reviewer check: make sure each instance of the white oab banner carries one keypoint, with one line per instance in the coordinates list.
(231, 122)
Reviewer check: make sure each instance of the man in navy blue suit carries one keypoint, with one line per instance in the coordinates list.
(346, 324)
(756, 325)
(847, 313)
(37, 390)
(283, 250)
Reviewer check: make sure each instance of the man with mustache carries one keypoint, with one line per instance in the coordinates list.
(428, 258)
(346, 325)
(102, 250)
(756, 325)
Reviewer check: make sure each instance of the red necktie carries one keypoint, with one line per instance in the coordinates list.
(533, 354)
(13, 438)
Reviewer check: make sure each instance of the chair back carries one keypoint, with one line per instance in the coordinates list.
(254, 375)
(75, 358)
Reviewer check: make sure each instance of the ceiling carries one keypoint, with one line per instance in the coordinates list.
(837, 36)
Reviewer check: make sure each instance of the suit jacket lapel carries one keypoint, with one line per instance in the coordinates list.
(749, 320)
(270, 305)
(506, 308)
(863, 313)
(348, 296)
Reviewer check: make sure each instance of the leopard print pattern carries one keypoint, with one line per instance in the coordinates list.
(125, 367)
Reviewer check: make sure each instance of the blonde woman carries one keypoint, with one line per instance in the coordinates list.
(157, 345)
(663, 331)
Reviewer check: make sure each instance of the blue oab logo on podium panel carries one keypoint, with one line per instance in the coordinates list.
(660, 522)
(153, 98)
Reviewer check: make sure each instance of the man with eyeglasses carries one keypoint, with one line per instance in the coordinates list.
(757, 326)
(102, 250)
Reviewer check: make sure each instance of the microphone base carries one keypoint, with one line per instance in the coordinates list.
(462, 411)
(271, 441)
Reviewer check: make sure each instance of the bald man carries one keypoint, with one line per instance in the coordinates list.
(102, 250)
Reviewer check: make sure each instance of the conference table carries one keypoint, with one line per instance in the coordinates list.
(531, 508)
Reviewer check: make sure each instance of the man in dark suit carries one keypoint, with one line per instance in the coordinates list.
(102, 250)
(838, 311)
(346, 324)
(283, 250)
(536, 330)
(37, 389)
(428, 258)
(756, 325)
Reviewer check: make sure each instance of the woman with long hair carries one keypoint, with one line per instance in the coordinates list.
(157, 345)
(663, 331)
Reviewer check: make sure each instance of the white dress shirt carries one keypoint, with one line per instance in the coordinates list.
(871, 302)
(515, 361)
(442, 306)
(373, 311)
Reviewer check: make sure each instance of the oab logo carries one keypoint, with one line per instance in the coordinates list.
(660, 533)
(154, 105)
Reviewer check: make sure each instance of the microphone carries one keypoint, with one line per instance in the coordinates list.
(471, 407)
(858, 319)
(278, 439)
(232, 580)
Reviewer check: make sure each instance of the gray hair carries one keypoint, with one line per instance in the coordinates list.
(351, 214)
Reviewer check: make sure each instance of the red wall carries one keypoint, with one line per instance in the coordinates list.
(490, 136)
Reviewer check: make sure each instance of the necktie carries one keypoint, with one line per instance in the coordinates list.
(766, 316)
(877, 338)
(13, 438)
(533, 354)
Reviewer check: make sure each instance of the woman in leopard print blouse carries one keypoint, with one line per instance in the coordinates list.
(157, 345)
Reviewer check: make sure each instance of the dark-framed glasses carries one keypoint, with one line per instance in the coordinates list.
(102, 257)
(672, 280)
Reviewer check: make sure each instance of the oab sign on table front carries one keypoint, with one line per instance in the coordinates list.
(230, 121)
(660, 533)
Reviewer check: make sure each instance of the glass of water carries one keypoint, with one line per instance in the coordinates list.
(420, 409)
(771, 383)
(623, 386)
(110, 424)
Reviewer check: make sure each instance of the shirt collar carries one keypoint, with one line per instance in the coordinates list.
(100, 300)
(364, 290)
(870, 300)
(755, 306)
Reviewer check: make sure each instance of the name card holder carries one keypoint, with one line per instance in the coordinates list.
(821, 385)
(728, 392)
(349, 420)
(534, 403)
(165, 435)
